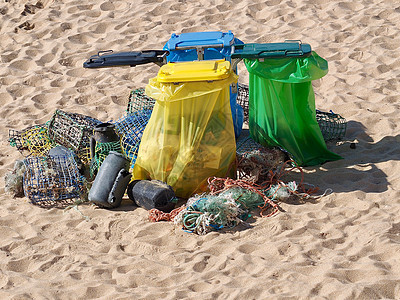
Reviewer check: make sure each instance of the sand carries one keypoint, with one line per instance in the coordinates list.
(345, 245)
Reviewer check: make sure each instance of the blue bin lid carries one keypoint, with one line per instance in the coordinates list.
(192, 39)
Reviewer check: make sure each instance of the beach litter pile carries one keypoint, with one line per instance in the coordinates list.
(181, 138)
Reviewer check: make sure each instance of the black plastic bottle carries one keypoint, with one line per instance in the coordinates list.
(111, 181)
(152, 194)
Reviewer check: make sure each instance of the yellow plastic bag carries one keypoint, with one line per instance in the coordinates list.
(190, 135)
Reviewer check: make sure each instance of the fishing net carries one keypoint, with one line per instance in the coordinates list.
(139, 101)
(130, 128)
(220, 185)
(255, 162)
(73, 131)
(52, 179)
(333, 126)
(226, 209)
(231, 201)
(205, 213)
(33, 139)
(243, 100)
(101, 151)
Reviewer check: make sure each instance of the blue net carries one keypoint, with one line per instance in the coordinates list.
(208, 212)
(130, 128)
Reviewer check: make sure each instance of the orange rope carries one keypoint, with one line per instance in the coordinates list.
(156, 215)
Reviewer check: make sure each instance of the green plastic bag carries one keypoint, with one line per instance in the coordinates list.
(282, 107)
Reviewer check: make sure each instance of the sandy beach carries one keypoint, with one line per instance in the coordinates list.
(345, 245)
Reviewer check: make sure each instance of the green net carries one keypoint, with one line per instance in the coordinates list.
(100, 153)
(139, 101)
(207, 212)
(246, 199)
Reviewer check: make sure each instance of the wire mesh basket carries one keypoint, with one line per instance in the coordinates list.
(138, 101)
(33, 139)
(101, 151)
(50, 179)
(243, 100)
(73, 131)
(333, 126)
(130, 128)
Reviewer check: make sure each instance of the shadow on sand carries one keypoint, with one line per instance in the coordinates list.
(358, 170)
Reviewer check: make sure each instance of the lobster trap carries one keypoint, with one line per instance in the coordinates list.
(130, 128)
(333, 126)
(33, 139)
(50, 179)
(101, 151)
(138, 101)
(243, 100)
(73, 131)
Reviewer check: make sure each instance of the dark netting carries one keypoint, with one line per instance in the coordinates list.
(130, 128)
(244, 143)
(332, 125)
(254, 161)
(52, 178)
(243, 100)
(73, 131)
(139, 101)
(33, 139)
(100, 153)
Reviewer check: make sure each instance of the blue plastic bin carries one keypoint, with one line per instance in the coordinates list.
(207, 46)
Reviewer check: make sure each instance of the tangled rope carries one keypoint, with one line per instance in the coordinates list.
(207, 212)
(255, 165)
(230, 200)
(156, 215)
(219, 185)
